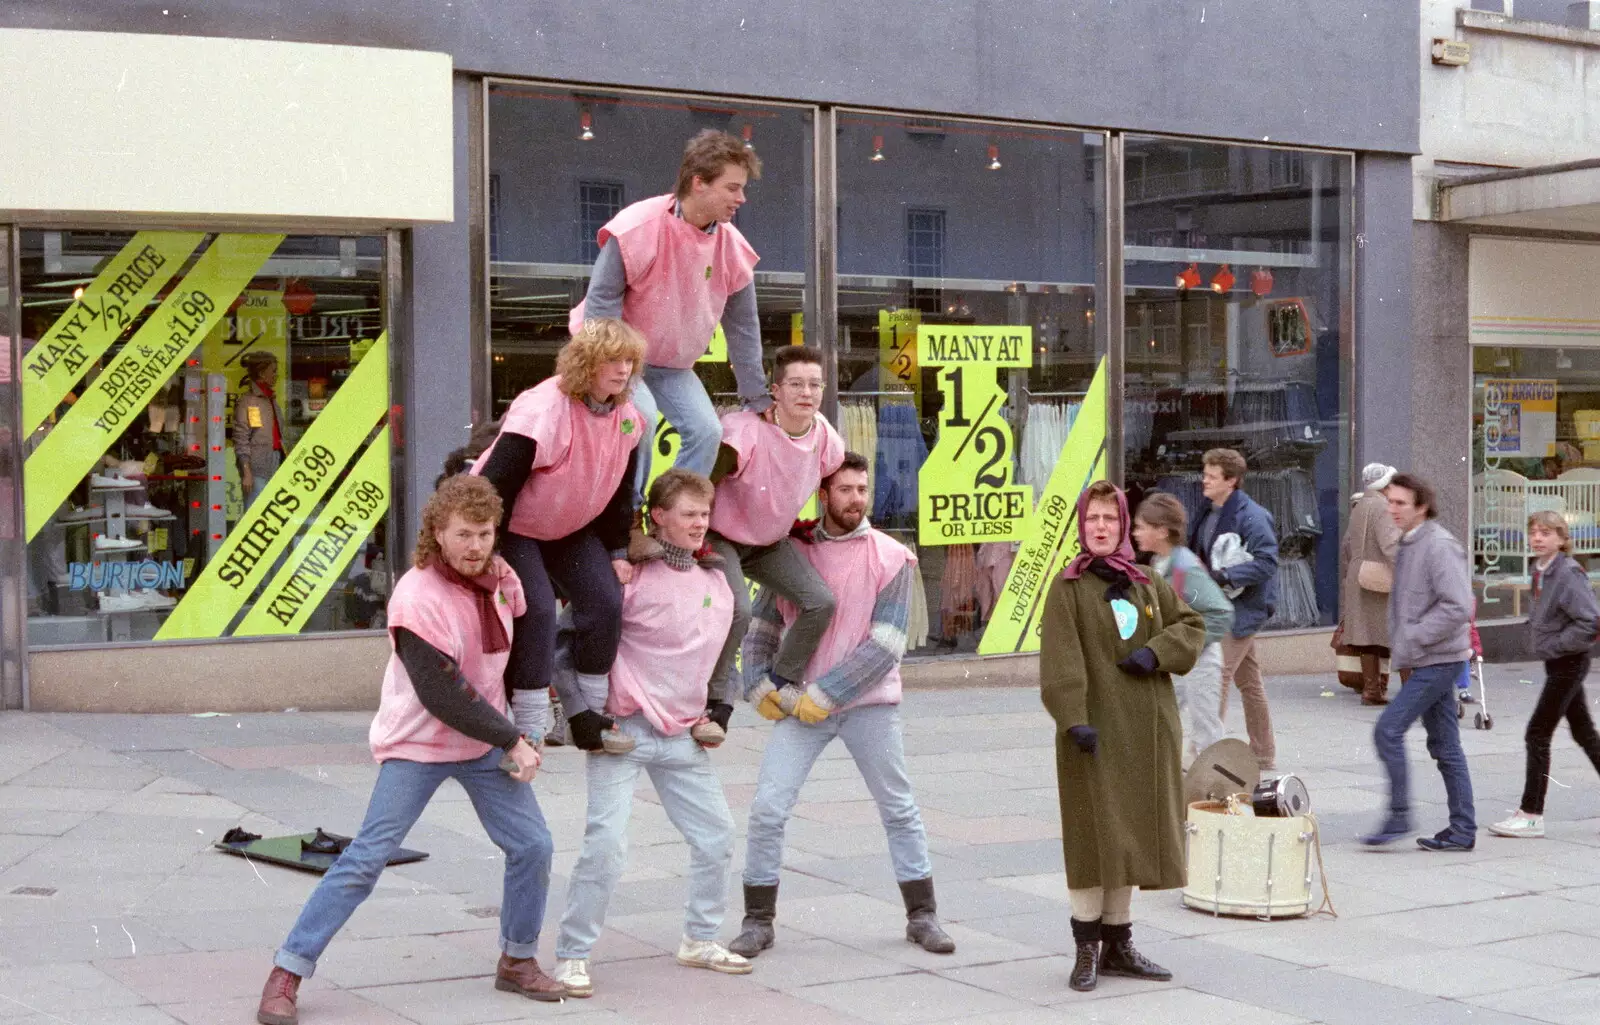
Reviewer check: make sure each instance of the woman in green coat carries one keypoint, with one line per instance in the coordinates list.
(1112, 636)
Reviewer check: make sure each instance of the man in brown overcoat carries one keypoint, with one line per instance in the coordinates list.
(1112, 636)
(1371, 538)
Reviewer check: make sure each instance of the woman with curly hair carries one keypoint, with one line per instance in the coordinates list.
(563, 463)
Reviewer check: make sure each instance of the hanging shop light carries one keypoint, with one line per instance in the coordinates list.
(994, 158)
(877, 149)
(1503, 363)
(749, 130)
(1261, 282)
(1222, 281)
(1563, 361)
(586, 122)
(1189, 277)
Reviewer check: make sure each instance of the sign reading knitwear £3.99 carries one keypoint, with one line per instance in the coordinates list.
(318, 561)
(154, 353)
(965, 488)
(111, 302)
(306, 477)
(1053, 539)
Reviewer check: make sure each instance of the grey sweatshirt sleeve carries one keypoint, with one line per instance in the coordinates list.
(741, 323)
(607, 282)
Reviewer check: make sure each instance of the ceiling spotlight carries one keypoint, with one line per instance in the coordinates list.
(1222, 282)
(77, 293)
(1261, 282)
(1563, 361)
(994, 158)
(749, 130)
(586, 121)
(1503, 363)
(1189, 277)
(877, 149)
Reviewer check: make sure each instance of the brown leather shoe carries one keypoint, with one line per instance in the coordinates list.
(523, 975)
(278, 998)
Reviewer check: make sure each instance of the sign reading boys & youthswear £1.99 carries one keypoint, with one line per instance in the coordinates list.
(965, 489)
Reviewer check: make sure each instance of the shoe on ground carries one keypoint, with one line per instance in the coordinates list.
(708, 734)
(615, 742)
(573, 973)
(1520, 825)
(1445, 841)
(278, 998)
(713, 955)
(523, 975)
(1388, 833)
(1467, 698)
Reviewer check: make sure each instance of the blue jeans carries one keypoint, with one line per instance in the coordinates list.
(679, 395)
(691, 795)
(871, 733)
(1428, 694)
(509, 813)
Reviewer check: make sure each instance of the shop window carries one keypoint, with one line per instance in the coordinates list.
(1236, 338)
(204, 434)
(548, 144)
(12, 553)
(963, 385)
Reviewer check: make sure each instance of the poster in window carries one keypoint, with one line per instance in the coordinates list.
(1519, 417)
(1288, 327)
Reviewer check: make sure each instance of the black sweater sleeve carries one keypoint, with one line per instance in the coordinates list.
(446, 695)
(509, 467)
(614, 521)
(727, 462)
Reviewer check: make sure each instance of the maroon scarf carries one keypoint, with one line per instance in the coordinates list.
(1121, 560)
(483, 588)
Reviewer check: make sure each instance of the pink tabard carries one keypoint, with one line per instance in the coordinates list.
(674, 623)
(445, 615)
(578, 459)
(777, 475)
(855, 571)
(679, 279)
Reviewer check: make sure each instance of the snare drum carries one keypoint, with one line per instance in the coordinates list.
(1284, 797)
(1247, 864)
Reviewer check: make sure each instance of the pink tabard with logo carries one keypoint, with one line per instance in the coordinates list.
(674, 623)
(777, 475)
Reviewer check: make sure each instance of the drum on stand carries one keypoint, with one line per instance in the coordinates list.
(1247, 864)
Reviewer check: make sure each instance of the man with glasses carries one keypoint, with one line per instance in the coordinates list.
(769, 467)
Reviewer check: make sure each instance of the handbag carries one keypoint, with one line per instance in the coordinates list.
(1375, 576)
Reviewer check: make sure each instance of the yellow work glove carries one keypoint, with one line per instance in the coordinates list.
(768, 702)
(813, 707)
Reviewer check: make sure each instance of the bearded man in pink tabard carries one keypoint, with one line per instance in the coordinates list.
(673, 267)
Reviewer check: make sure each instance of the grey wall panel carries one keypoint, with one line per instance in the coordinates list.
(1384, 353)
(1338, 73)
(438, 367)
(1441, 396)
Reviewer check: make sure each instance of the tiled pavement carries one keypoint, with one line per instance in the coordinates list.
(148, 926)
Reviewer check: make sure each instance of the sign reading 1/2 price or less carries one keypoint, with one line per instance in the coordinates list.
(966, 492)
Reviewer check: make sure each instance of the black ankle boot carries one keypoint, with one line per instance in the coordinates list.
(1117, 956)
(1086, 969)
(756, 934)
(922, 918)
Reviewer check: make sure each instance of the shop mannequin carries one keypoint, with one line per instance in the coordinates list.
(257, 424)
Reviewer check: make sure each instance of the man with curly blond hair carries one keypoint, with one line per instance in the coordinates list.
(563, 464)
(442, 715)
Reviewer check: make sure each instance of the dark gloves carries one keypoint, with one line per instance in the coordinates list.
(719, 712)
(1140, 663)
(1086, 737)
(586, 728)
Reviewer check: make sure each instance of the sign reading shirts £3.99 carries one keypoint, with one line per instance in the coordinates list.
(297, 589)
(114, 299)
(1053, 539)
(153, 354)
(307, 475)
(965, 488)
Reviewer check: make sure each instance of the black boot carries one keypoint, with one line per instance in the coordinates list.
(1086, 969)
(922, 918)
(1118, 957)
(756, 934)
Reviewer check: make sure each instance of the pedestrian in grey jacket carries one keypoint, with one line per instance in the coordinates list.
(1562, 626)
(1430, 615)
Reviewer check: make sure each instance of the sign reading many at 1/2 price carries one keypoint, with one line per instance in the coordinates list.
(966, 492)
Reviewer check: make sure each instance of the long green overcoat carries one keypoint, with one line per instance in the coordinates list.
(1121, 807)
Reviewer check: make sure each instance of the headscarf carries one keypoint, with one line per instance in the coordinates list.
(1119, 563)
(483, 589)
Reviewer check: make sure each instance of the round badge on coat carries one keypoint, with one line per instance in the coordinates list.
(1127, 617)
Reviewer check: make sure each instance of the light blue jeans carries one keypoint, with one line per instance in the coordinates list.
(691, 795)
(871, 733)
(509, 813)
(679, 395)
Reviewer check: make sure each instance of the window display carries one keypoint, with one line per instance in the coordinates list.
(204, 445)
(1236, 337)
(11, 539)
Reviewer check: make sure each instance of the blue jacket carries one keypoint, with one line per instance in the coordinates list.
(1259, 577)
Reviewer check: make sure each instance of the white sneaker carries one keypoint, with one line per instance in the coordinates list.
(145, 511)
(116, 544)
(1520, 825)
(94, 512)
(104, 483)
(573, 973)
(120, 603)
(153, 599)
(713, 955)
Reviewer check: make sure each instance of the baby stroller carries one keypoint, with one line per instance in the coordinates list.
(1481, 719)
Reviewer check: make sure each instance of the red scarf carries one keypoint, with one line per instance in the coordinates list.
(484, 588)
(272, 400)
